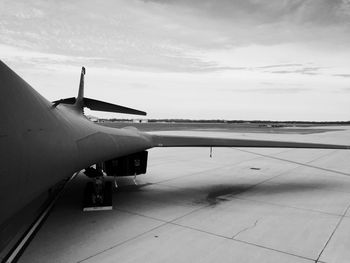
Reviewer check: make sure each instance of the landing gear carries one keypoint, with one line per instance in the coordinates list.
(115, 182)
(98, 193)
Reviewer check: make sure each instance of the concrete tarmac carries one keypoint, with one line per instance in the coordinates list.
(241, 205)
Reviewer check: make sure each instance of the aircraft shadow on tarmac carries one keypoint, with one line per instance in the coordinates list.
(203, 194)
(215, 194)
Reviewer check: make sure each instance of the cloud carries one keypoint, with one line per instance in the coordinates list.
(342, 75)
(122, 33)
(279, 66)
(303, 70)
(261, 12)
(236, 55)
(244, 22)
(170, 35)
(275, 90)
(167, 28)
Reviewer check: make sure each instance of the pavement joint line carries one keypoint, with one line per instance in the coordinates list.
(233, 195)
(245, 229)
(273, 249)
(220, 167)
(332, 234)
(121, 243)
(148, 231)
(326, 190)
(288, 206)
(274, 177)
(139, 235)
(242, 241)
(208, 170)
(168, 185)
(142, 215)
(248, 188)
(301, 164)
(174, 160)
(158, 219)
(278, 175)
(264, 181)
(172, 222)
(252, 186)
(271, 178)
(198, 191)
(195, 210)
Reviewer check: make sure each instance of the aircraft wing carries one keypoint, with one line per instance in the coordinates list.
(192, 141)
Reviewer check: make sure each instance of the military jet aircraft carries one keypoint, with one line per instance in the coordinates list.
(43, 143)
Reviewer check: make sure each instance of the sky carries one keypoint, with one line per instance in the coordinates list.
(197, 59)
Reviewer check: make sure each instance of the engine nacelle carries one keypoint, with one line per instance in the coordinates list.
(133, 164)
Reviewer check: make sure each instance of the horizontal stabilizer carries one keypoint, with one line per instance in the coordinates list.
(98, 105)
(105, 106)
(71, 100)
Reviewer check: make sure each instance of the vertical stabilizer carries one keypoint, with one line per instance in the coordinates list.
(81, 84)
(80, 99)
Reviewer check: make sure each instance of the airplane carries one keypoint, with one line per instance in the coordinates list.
(44, 143)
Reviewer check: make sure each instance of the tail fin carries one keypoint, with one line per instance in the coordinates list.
(80, 97)
(80, 102)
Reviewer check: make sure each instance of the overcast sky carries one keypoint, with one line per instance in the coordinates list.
(201, 59)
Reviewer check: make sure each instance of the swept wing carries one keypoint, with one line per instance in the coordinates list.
(193, 141)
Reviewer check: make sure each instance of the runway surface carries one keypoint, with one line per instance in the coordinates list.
(241, 205)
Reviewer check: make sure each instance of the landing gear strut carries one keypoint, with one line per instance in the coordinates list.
(98, 193)
(115, 180)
